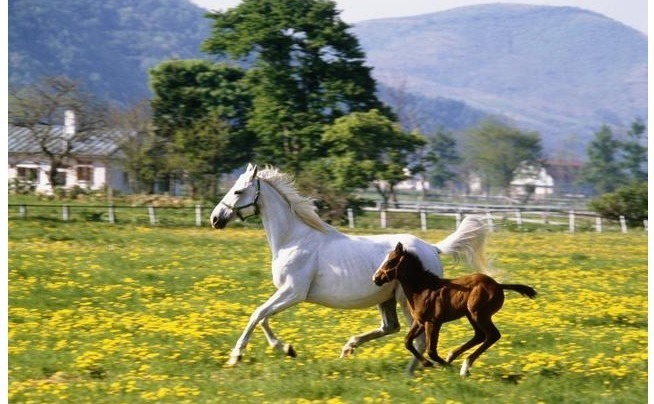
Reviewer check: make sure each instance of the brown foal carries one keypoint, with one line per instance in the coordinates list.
(434, 301)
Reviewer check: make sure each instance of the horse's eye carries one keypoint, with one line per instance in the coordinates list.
(238, 192)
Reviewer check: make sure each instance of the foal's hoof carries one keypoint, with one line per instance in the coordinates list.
(233, 360)
(289, 351)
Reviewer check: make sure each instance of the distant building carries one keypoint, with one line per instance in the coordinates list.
(93, 165)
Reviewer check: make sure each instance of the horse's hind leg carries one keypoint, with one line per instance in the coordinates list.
(274, 342)
(390, 325)
(491, 336)
(477, 339)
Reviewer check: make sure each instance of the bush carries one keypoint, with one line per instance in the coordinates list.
(629, 201)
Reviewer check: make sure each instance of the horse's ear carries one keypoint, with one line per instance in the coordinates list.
(399, 248)
(252, 169)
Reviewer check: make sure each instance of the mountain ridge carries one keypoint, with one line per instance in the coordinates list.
(561, 71)
(558, 70)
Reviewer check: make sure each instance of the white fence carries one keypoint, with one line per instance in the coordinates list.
(195, 215)
(544, 215)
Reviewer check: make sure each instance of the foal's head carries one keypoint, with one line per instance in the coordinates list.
(393, 263)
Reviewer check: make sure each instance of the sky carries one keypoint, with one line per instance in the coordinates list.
(629, 12)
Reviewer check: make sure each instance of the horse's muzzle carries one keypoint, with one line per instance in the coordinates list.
(219, 221)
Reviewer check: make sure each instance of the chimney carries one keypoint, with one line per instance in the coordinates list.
(69, 123)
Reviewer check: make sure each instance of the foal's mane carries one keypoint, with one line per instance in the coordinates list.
(417, 266)
(302, 206)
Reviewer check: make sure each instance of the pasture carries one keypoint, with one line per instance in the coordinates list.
(130, 313)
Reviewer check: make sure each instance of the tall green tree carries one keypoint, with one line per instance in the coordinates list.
(305, 70)
(367, 147)
(495, 151)
(612, 162)
(442, 158)
(200, 111)
(634, 152)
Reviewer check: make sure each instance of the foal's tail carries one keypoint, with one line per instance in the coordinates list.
(467, 243)
(524, 290)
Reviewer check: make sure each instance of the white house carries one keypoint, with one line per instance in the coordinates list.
(94, 163)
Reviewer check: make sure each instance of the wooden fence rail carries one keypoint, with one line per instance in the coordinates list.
(194, 215)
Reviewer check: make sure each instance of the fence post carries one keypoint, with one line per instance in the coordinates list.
(623, 224)
(571, 219)
(518, 218)
(423, 220)
(350, 218)
(598, 223)
(544, 215)
(382, 218)
(459, 218)
(22, 211)
(152, 214)
(198, 215)
(112, 214)
(489, 218)
(645, 224)
(65, 212)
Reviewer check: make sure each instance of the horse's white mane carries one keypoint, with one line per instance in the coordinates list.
(302, 206)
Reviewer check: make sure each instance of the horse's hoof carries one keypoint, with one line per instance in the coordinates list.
(428, 364)
(289, 351)
(233, 360)
(346, 352)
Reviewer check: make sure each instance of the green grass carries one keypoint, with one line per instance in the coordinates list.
(135, 313)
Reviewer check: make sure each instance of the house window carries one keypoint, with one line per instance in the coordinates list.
(60, 177)
(84, 171)
(27, 174)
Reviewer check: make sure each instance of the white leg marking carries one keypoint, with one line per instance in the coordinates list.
(464, 368)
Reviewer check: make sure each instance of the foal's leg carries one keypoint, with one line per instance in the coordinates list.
(389, 325)
(477, 339)
(431, 332)
(415, 330)
(491, 336)
(419, 342)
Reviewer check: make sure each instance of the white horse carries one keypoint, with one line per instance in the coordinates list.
(314, 262)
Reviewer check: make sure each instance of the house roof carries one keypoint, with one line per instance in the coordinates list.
(103, 143)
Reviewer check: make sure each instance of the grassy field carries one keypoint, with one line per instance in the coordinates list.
(135, 313)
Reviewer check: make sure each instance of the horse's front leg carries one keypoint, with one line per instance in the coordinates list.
(274, 342)
(389, 325)
(416, 330)
(282, 299)
(419, 342)
(432, 330)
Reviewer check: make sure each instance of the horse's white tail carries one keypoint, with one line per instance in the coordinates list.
(467, 243)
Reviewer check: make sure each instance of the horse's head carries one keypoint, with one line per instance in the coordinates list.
(241, 200)
(389, 269)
